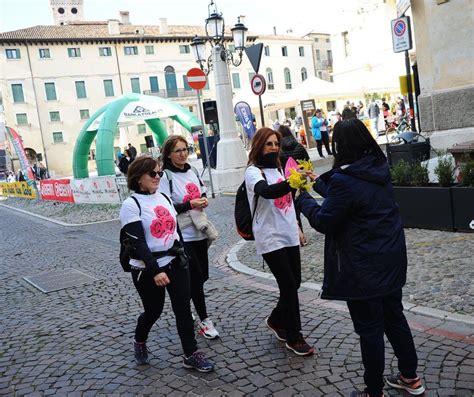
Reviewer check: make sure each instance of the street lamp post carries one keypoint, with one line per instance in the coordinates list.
(231, 155)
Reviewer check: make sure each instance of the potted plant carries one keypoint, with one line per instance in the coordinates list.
(422, 205)
(463, 197)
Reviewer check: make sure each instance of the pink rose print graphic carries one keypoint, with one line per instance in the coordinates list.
(193, 192)
(164, 225)
(283, 203)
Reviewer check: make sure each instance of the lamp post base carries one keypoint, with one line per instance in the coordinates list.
(228, 181)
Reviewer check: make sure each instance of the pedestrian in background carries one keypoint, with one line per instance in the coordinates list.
(291, 148)
(132, 150)
(373, 111)
(325, 133)
(182, 183)
(317, 122)
(125, 161)
(149, 219)
(365, 259)
(276, 235)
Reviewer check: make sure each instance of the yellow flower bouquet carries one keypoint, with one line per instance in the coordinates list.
(301, 181)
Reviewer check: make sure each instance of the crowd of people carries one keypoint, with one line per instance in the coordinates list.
(365, 261)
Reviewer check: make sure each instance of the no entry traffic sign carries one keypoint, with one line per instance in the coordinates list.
(196, 78)
(258, 84)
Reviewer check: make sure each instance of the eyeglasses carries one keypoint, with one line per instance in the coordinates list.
(179, 151)
(154, 173)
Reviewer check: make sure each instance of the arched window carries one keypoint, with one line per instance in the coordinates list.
(270, 83)
(170, 79)
(304, 74)
(287, 78)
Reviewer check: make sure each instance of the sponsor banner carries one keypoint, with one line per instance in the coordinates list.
(244, 113)
(17, 143)
(56, 190)
(17, 189)
(101, 189)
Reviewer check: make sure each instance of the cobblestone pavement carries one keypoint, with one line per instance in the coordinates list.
(77, 341)
(440, 267)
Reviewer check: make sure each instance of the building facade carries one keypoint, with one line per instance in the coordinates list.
(445, 60)
(56, 76)
(322, 55)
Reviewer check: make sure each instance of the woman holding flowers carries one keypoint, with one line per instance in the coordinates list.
(365, 258)
(149, 221)
(276, 235)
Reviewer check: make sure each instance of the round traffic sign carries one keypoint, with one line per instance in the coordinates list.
(400, 28)
(196, 78)
(258, 84)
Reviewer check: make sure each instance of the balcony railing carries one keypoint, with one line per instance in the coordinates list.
(178, 93)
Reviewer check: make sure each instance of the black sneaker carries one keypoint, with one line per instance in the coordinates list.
(412, 386)
(279, 332)
(141, 353)
(198, 361)
(300, 347)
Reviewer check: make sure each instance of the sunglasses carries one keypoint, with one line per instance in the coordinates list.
(153, 173)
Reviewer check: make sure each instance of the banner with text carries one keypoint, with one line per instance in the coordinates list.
(17, 189)
(244, 113)
(56, 190)
(101, 189)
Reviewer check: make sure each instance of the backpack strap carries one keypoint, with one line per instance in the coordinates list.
(197, 174)
(170, 179)
(138, 205)
(257, 196)
(167, 199)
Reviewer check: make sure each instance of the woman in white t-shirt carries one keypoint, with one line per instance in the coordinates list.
(276, 235)
(149, 220)
(182, 183)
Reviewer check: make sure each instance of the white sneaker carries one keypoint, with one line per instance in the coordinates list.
(206, 328)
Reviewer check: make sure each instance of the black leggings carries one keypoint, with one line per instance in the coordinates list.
(324, 139)
(153, 299)
(199, 273)
(285, 265)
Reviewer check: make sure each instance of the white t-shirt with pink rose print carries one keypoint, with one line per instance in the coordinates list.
(158, 217)
(274, 223)
(186, 187)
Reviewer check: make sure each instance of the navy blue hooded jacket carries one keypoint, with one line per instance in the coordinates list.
(364, 252)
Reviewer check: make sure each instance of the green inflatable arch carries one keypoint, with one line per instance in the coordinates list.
(104, 125)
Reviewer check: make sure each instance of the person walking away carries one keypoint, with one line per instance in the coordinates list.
(316, 123)
(291, 148)
(373, 112)
(125, 162)
(275, 229)
(365, 258)
(157, 265)
(132, 150)
(182, 183)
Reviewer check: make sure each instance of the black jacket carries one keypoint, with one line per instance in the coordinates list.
(364, 253)
(291, 148)
(124, 164)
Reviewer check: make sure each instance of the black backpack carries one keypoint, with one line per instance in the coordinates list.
(242, 213)
(126, 247)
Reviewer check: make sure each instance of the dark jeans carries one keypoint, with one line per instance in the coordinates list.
(153, 299)
(372, 318)
(285, 265)
(199, 274)
(324, 139)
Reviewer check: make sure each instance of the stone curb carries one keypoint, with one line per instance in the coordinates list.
(56, 221)
(238, 266)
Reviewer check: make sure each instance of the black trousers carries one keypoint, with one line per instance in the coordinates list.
(285, 265)
(199, 274)
(324, 139)
(153, 299)
(372, 318)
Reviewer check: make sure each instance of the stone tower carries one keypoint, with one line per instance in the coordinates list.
(67, 11)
